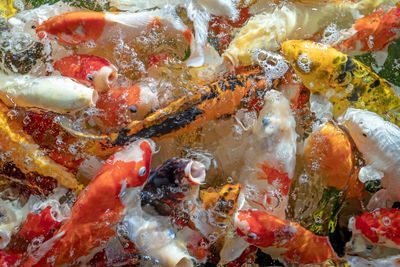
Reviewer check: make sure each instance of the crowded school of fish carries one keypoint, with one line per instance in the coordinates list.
(227, 132)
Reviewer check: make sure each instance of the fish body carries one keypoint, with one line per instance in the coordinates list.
(282, 238)
(89, 70)
(379, 227)
(52, 93)
(371, 33)
(191, 111)
(103, 28)
(99, 207)
(330, 149)
(346, 81)
(379, 142)
(271, 156)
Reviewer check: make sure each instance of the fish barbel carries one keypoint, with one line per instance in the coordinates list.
(346, 81)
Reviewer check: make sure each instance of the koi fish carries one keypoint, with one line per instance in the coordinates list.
(117, 105)
(74, 28)
(99, 207)
(27, 155)
(380, 227)
(371, 33)
(89, 70)
(344, 80)
(271, 156)
(330, 148)
(377, 140)
(171, 182)
(282, 238)
(267, 31)
(191, 111)
(52, 93)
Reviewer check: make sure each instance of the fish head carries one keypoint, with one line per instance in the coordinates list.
(317, 64)
(260, 228)
(362, 126)
(88, 69)
(132, 164)
(73, 28)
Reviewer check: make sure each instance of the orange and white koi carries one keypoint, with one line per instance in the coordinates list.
(52, 93)
(74, 28)
(377, 140)
(281, 238)
(98, 208)
(371, 33)
(271, 157)
(89, 70)
(380, 227)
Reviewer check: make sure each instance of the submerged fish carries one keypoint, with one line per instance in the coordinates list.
(379, 142)
(89, 70)
(102, 28)
(98, 208)
(371, 33)
(344, 80)
(271, 156)
(28, 156)
(281, 238)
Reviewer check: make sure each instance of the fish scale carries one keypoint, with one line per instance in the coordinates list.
(354, 84)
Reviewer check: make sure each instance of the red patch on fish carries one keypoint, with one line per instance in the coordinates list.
(382, 27)
(83, 68)
(41, 224)
(280, 180)
(294, 243)
(380, 226)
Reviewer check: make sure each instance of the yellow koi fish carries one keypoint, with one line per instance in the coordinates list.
(343, 79)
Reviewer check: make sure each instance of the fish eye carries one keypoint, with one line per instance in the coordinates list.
(33, 27)
(142, 171)
(364, 135)
(90, 77)
(132, 108)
